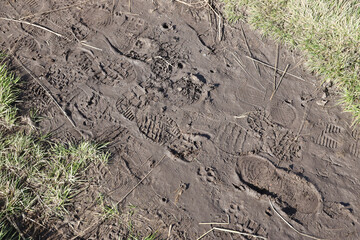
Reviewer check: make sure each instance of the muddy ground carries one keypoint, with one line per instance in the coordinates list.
(188, 113)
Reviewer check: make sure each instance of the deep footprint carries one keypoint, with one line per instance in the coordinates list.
(295, 193)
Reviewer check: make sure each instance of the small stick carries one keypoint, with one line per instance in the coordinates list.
(281, 78)
(160, 57)
(140, 181)
(220, 29)
(55, 10)
(24, 216)
(205, 234)
(276, 65)
(219, 20)
(49, 30)
(34, 25)
(287, 223)
(83, 42)
(243, 68)
(88, 45)
(240, 116)
(217, 14)
(48, 92)
(169, 232)
(248, 48)
(268, 65)
(231, 231)
(307, 110)
(237, 232)
(192, 4)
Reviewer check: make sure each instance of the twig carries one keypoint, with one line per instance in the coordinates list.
(243, 68)
(237, 232)
(49, 30)
(268, 65)
(140, 181)
(47, 92)
(160, 57)
(169, 232)
(88, 45)
(248, 48)
(240, 116)
(287, 223)
(231, 231)
(244, 115)
(193, 4)
(34, 25)
(219, 29)
(307, 110)
(24, 216)
(276, 65)
(219, 20)
(281, 78)
(205, 234)
(83, 42)
(54, 10)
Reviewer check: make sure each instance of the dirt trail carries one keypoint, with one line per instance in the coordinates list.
(155, 80)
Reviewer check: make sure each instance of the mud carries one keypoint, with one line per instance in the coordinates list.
(163, 81)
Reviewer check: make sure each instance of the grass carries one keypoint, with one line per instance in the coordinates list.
(38, 178)
(8, 96)
(132, 235)
(327, 32)
(108, 210)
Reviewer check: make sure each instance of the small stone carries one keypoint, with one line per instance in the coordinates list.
(322, 102)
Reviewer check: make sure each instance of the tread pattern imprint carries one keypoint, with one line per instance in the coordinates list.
(294, 193)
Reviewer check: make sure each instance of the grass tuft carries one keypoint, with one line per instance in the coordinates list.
(8, 94)
(327, 32)
(41, 177)
(38, 178)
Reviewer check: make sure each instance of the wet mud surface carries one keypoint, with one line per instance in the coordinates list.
(162, 82)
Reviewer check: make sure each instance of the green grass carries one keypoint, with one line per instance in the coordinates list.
(108, 210)
(8, 96)
(38, 178)
(326, 31)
